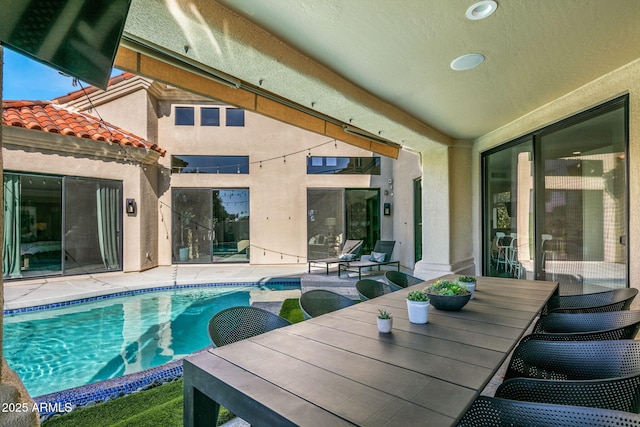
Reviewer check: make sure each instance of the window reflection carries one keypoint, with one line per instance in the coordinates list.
(211, 225)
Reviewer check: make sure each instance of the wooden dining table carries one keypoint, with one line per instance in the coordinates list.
(338, 370)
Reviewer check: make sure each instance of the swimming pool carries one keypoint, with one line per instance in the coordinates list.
(61, 348)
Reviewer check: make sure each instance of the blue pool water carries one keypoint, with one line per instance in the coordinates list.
(61, 348)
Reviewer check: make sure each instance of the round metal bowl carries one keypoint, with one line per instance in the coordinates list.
(449, 302)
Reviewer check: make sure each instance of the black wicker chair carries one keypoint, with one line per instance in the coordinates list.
(401, 279)
(238, 323)
(619, 394)
(575, 360)
(613, 300)
(611, 325)
(368, 288)
(495, 412)
(626, 329)
(319, 301)
(588, 322)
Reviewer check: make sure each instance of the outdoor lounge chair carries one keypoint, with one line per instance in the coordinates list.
(368, 288)
(238, 323)
(495, 412)
(320, 301)
(613, 300)
(401, 279)
(350, 251)
(575, 360)
(381, 255)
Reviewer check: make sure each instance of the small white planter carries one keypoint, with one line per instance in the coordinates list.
(418, 311)
(471, 286)
(385, 325)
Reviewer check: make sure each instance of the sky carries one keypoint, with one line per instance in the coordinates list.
(26, 79)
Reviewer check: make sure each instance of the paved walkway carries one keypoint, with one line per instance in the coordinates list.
(33, 292)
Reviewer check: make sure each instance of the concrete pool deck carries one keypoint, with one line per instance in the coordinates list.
(49, 290)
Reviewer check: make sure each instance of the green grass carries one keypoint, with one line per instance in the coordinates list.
(291, 310)
(159, 406)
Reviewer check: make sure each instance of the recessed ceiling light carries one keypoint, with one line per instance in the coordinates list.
(482, 9)
(467, 62)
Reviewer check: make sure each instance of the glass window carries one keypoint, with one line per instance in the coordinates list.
(184, 116)
(583, 203)
(231, 225)
(363, 216)
(417, 218)
(92, 225)
(325, 223)
(33, 242)
(235, 117)
(211, 225)
(336, 215)
(508, 177)
(209, 116)
(343, 165)
(192, 226)
(210, 164)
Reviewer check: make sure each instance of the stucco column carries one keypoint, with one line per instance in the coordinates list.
(447, 204)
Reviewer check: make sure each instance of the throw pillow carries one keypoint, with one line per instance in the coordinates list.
(377, 256)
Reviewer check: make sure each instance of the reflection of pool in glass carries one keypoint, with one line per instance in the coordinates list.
(57, 349)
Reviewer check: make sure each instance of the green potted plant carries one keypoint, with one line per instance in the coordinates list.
(418, 306)
(470, 283)
(385, 321)
(447, 295)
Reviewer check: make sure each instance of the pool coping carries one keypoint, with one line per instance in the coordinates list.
(65, 401)
(83, 300)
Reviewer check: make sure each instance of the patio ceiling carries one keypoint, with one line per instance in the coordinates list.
(383, 66)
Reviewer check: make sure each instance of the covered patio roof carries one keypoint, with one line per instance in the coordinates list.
(381, 68)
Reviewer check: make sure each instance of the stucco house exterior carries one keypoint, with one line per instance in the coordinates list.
(227, 186)
(67, 179)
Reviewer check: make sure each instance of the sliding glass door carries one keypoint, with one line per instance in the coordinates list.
(555, 203)
(362, 218)
(508, 217)
(582, 209)
(335, 215)
(56, 225)
(210, 225)
(325, 223)
(92, 225)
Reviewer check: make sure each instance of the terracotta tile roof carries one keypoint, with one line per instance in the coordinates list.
(72, 96)
(49, 117)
